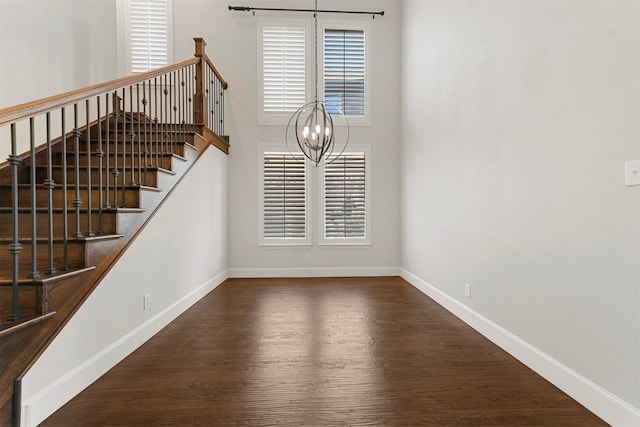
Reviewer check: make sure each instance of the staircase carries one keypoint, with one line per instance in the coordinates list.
(69, 208)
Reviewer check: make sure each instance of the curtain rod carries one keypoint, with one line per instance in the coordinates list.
(251, 9)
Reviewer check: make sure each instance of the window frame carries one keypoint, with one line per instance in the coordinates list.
(354, 241)
(281, 118)
(364, 26)
(126, 17)
(283, 242)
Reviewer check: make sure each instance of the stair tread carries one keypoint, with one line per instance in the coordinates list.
(61, 275)
(83, 187)
(10, 327)
(5, 209)
(71, 240)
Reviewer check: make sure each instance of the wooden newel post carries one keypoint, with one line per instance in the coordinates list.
(200, 115)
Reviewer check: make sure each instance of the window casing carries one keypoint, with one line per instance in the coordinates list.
(284, 198)
(285, 70)
(149, 41)
(345, 207)
(345, 71)
(283, 62)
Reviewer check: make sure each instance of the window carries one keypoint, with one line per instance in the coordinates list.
(149, 35)
(344, 71)
(284, 199)
(283, 70)
(345, 202)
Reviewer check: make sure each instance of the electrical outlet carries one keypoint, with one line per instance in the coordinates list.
(467, 290)
(307, 258)
(146, 302)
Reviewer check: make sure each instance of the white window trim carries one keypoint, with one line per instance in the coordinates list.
(124, 35)
(282, 118)
(365, 241)
(348, 25)
(274, 243)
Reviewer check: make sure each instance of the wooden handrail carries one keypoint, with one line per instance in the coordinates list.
(34, 108)
(224, 83)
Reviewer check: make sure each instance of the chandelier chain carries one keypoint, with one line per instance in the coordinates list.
(315, 59)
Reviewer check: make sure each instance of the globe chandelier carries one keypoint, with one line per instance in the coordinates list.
(312, 125)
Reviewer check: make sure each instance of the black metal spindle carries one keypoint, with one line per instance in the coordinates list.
(181, 104)
(124, 145)
(34, 274)
(174, 127)
(100, 155)
(188, 98)
(155, 111)
(132, 135)
(115, 172)
(77, 202)
(49, 185)
(139, 136)
(144, 111)
(15, 247)
(107, 170)
(165, 147)
(208, 81)
(65, 198)
(90, 232)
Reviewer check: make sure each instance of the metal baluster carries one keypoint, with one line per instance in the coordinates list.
(15, 247)
(208, 93)
(34, 274)
(100, 154)
(115, 172)
(188, 99)
(77, 202)
(221, 109)
(139, 139)
(107, 170)
(165, 148)
(132, 135)
(124, 144)
(144, 109)
(65, 198)
(155, 111)
(181, 102)
(171, 114)
(49, 185)
(90, 232)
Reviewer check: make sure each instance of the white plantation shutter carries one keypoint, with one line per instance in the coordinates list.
(284, 197)
(344, 70)
(345, 207)
(283, 69)
(149, 24)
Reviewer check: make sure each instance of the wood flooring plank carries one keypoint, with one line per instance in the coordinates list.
(320, 352)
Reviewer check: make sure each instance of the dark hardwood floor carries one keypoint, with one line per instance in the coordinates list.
(320, 352)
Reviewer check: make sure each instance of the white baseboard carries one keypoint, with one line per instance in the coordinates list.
(248, 273)
(604, 404)
(50, 399)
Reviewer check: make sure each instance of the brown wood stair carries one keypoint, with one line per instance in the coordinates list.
(47, 303)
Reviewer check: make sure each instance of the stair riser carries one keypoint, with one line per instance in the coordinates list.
(164, 160)
(125, 176)
(30, 301)
(76, 256)
(174, 145)
(42, 225)
(42, 197)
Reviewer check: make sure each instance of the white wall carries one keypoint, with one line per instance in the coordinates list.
(178, 258)
(232, 45)
(48, 47)
(517, 119)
